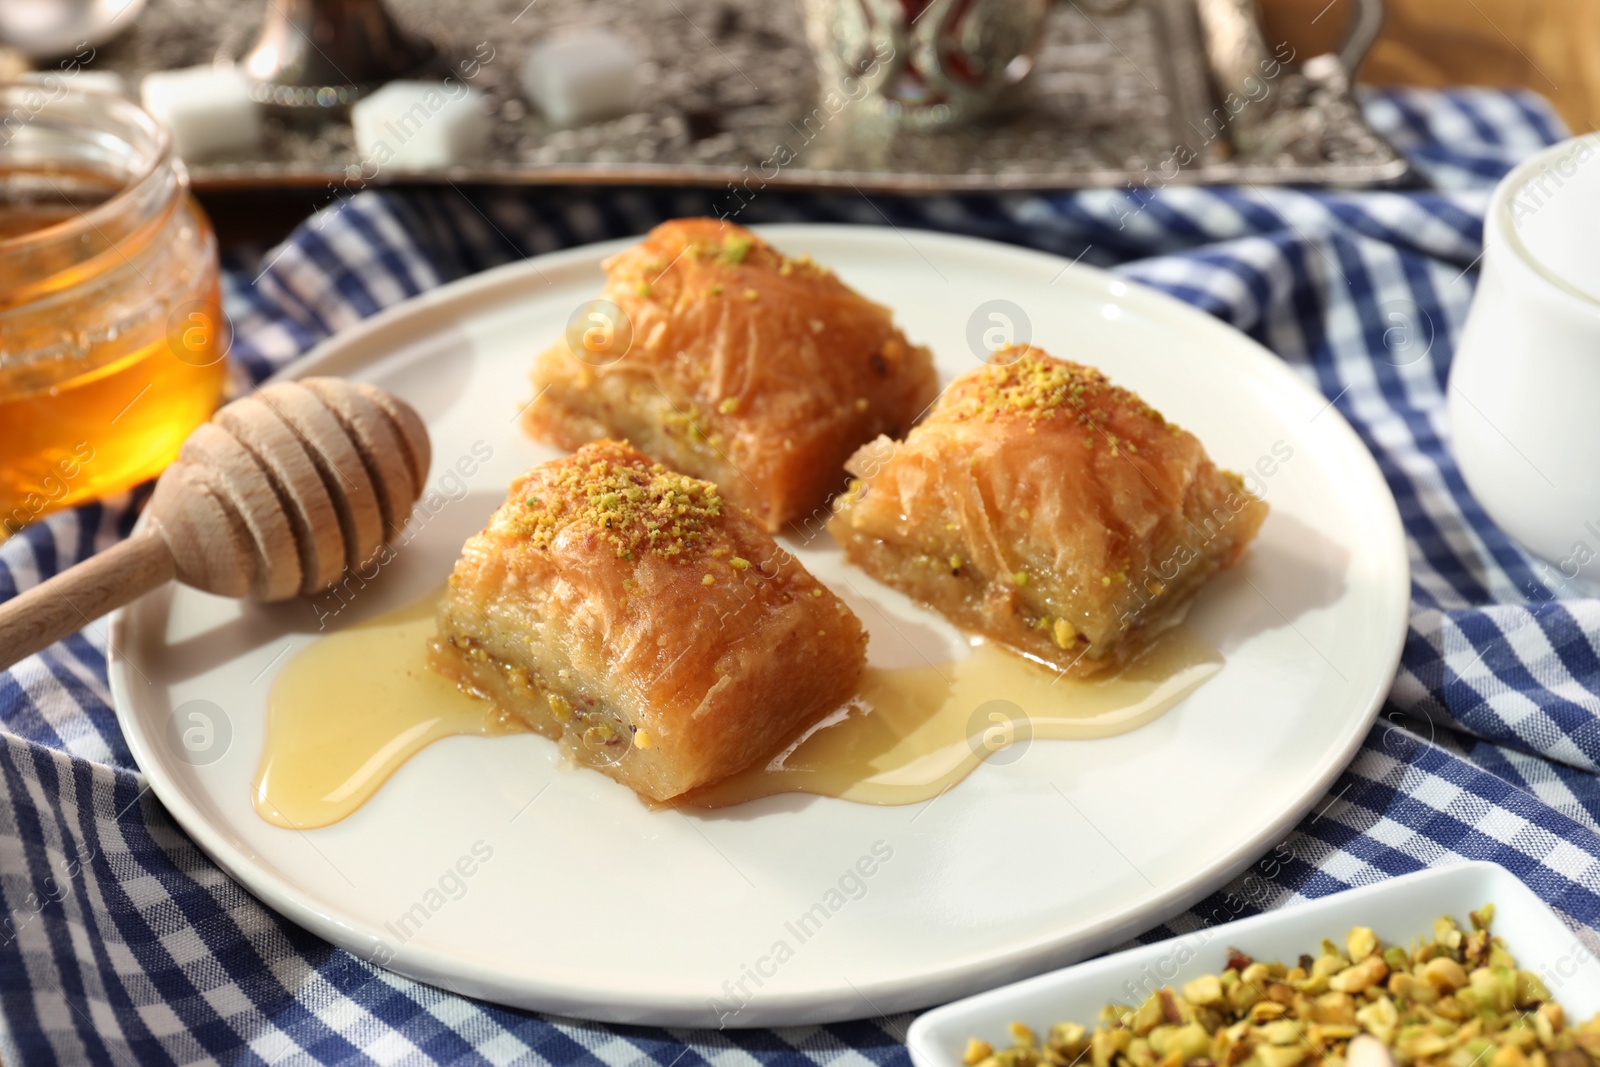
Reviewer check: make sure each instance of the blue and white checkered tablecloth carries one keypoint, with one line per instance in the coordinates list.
(124, 944)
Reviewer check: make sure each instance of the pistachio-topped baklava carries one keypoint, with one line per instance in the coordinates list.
(727, 360)
(640, 619)
(1045, 508)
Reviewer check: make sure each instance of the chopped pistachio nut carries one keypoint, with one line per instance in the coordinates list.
(751, 294)
(599, 736)
(1037, 386)
(1457, 1001)
(1021, 577)
(739, 563)
(1361, 943)
(559, 706)
(638, 506)
(716, 290)
(817, 591)
(708, 580)
(643, 289)
(729, 405)
(642, 739)
(735, 248)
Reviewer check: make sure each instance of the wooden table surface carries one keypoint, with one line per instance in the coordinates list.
(1549, 46)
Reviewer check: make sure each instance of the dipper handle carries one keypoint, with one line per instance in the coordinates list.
(41, 616)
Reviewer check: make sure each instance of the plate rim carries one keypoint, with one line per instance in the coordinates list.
(820, 1003)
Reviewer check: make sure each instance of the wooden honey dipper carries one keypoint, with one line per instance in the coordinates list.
(272, 499)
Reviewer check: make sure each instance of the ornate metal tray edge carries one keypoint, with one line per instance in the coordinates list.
(1128, 95)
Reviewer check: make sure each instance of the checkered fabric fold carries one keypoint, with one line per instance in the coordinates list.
(125, 944)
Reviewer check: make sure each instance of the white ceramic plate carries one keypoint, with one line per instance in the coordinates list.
(1398, 910)
(595, 906)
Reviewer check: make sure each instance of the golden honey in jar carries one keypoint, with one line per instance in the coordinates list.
(112, 339)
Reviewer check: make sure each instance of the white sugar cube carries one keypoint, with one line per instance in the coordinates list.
(420, 125)
(582, 76)
(208, 109)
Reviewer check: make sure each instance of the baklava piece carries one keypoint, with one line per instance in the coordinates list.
(1047, 509)
(636, 617)
(733, 363)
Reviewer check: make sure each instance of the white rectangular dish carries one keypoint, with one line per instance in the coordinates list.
(1398, 910)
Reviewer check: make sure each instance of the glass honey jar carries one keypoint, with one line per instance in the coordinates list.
(112, 338)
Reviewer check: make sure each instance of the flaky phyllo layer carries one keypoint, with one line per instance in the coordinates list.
(651, 627)
(1045, 508)
(718, 355)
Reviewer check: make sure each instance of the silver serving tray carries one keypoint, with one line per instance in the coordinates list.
(1124, 93)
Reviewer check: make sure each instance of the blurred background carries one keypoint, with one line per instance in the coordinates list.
(697, 115)
(1549, 46)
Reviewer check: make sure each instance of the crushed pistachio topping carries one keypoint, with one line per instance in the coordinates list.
(735, 247)
(690, 424)
(817, 591)
(751, 294)
(643, 289)
(709, 579)
(729, 405)
(739, 563)
(636, 505)
(1037, 386)
(1021, 577)
(1456, 1001)
(716, 290)
(642, 739)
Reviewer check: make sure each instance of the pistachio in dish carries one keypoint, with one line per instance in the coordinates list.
(1458, 1000)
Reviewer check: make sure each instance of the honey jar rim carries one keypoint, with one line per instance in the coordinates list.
(149, 146)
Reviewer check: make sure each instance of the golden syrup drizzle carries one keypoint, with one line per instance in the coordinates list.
(915, 732)
(347, 710)
(351, 707)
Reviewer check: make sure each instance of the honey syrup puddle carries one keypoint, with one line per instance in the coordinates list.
(350, 708)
